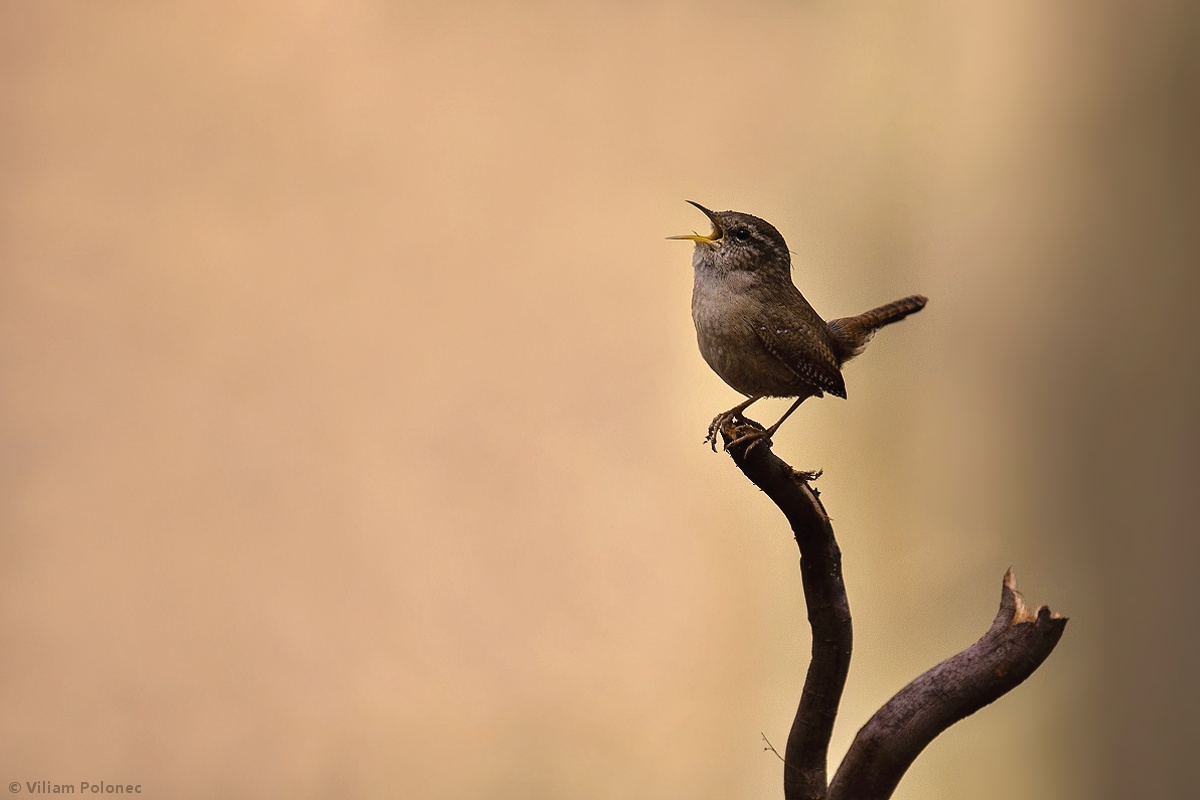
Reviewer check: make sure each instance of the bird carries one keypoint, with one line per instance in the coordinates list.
(756, 330)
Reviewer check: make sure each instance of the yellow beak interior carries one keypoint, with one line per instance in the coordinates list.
(696, 237)
(716, 234)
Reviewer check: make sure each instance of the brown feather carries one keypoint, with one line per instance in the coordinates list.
(851, 334)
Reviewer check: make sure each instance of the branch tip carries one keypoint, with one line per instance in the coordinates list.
(1010, 579)
(1021, 611)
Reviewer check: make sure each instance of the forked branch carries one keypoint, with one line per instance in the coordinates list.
(1017, 643)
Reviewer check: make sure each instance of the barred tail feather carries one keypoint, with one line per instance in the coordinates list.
(851, 334)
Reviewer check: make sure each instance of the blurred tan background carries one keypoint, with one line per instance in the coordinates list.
(352, 415)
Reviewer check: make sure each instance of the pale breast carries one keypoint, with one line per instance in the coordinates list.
(728, 342)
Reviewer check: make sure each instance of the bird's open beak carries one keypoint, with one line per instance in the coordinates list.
(713, 237)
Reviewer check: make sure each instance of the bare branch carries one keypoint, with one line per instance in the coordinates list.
(806, 754)
(1017, 643)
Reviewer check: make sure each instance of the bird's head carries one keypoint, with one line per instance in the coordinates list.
(740, 242)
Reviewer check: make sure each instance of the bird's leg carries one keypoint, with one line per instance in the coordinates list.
(719, 420)
(757, 437)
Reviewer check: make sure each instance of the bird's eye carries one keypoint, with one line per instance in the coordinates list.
(741, 234)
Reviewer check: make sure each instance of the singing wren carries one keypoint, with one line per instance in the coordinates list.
(758, 332)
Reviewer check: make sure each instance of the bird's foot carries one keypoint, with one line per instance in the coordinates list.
(736, 430)
(751, 439)
(719, 422)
